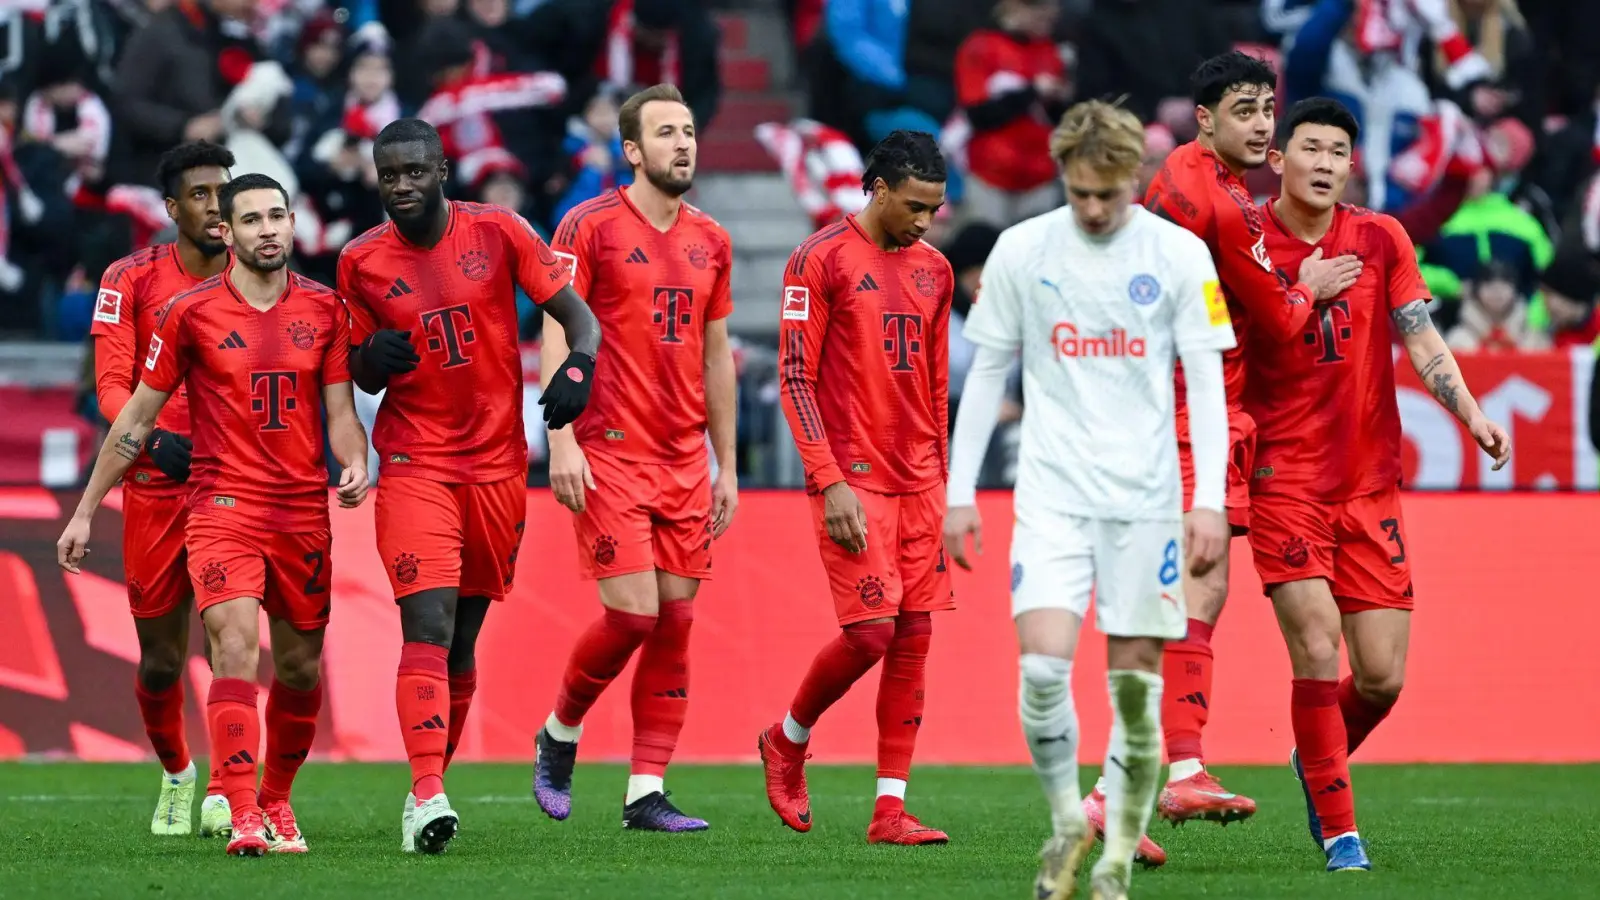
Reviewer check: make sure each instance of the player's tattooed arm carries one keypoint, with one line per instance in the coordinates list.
(122, 446)
(1435, 365)
(1413, 318)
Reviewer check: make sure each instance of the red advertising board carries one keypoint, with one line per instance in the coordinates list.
(1505, 619)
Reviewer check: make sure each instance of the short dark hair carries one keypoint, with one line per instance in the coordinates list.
(1319, 111)
(630, 117)
(902, 155)
(410, 131)
(189, 155)
(1229, 71)
(255, 181)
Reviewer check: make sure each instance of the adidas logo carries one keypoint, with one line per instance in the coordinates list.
(637, 256)
(914, 720)
(398, 289)
(676, 693)
(1198, 699)
(294, 755)
(431, 724)
(866, 284)
(1334, 787)
(242, 758)
(233, 342)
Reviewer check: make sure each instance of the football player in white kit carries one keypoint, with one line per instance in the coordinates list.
(1100, 298)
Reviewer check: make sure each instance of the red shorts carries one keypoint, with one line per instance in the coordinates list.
(464, 536)
(645, 516)
(1358, 545)
(903, 567)
(288, 572)
(154, 560)
(1241, 460)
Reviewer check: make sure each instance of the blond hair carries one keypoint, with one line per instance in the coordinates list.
(1101, 135)
(631, 115)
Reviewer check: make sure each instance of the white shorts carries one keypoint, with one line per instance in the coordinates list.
(1134, 569)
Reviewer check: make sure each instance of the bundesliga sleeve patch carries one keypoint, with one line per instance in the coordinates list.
(796, 303)
(155, 352)
(108, 307)
(568, 261)
(1216, 305)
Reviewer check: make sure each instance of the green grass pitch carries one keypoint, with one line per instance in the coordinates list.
(80, 831)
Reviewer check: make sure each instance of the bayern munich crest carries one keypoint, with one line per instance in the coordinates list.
(1144, 290)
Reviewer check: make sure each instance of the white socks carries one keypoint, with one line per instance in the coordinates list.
(187, 774)
(643, 786)
(1050, 722)
(794, 731)
(567, 734)
(1132, 769)
(892, 787)
(1184, 768)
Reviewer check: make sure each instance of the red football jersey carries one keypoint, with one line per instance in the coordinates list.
(1197, 190)
(132, 291)
(255, 383)
(654, 293)
(458, 416)
(864, 361)
(992, 63)
(1324, 403)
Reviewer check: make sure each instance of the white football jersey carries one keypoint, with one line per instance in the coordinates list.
(1099, 323)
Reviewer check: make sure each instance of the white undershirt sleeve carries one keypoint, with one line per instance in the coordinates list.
(975, 421)
(1207, 399)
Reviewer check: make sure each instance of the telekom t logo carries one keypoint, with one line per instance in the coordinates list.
(449, 331)
(902, 338)
(273, 393)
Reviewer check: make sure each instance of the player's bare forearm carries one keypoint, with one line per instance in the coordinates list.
(123, 444)
(346, 436)
(1433, 361)
(578, 324)
(721, 394)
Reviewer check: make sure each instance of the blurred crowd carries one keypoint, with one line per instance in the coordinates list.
(1481, 118)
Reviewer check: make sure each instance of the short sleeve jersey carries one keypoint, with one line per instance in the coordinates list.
(1099, 324)
(457, 417)
(864, 361)
(1325, 405)
(132, 292)
(255, 382)
(654, 294)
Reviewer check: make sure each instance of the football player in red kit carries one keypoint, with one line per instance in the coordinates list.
(433, 311)
(634, 470)
(864, 381)
(154, 503)
(1327, 531)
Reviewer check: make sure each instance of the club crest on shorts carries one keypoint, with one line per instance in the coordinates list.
(1295, 552)
(474, 264)
(1144, 290)
(135, 592)
(405, 568)
(871, 590)
(303, 335)
(1016, 576)
(142, 477)
(605, 550)
(214, 577)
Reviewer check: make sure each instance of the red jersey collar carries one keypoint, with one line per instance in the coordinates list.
(627, 201)
(862, 232)
(1339, 212)
(449, 226)
(227, 281)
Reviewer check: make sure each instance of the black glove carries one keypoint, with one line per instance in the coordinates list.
(568, 392)
(389, 352)
(170, 452)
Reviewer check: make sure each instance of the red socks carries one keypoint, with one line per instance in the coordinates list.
(1360, 714)
(422, 697)
(900, 693)
(163, 724)
(1321, 742)
(1186, 699)
(291, 729)
(840, 664)
(661, 689)
(462, 686)
(235, 739)
(599, 657)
